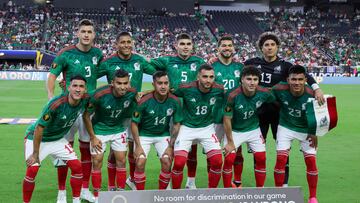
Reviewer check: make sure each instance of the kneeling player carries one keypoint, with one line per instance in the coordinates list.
(293, 97)
(200, 97)
(46, 137)
(110, 104)
(150, 126)
(241, 124)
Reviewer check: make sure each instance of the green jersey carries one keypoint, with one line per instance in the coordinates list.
(243, 109)
(110, 111)
(178, 69)
(57, 117)
(198, 107)
(71, 61)
(135, 66)
(292, 109)
(153, 117)
(227, 75)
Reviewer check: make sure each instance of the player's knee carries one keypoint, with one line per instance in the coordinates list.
(121, 163)
(260, 159)
(179, 162)
(140, 163)
(165, 162)
(215, 158)
(75, 166)
(229, 160)
(111, 157)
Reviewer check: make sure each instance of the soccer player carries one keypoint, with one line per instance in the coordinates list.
(227, 71)
(150, 126)
(136, 66)
(82, 59)
(274, 70)
(241, 124)
(182, 68)
(46, 137)
(292, 97)
(199, 98)
(110, 104)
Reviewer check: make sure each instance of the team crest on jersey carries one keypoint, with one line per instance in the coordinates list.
(53, 65)
(169, 112)
(94, 60)
(193, 67)
(258, 104)
(212, 101)
(323, 121)
(228, 109)
(277, 69)
(137, 66)
(237, 73)
(126, 104)
(136, 114)
(46, 117)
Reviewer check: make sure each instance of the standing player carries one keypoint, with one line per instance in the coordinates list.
(46, 137)
(136, 66)
(292, 97)
(150, 125)
(275, 70)
(199, 98)
(182, 68)
(241, 124)
(81, 59)
(227, 71)
(110, 104)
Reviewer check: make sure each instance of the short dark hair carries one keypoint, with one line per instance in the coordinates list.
(297, 69)
(205, 66)
(183, 36)
(121, 73)
(159, 74)
(250, 70)
(122, 34)
(77, 77)
(225, 37)
(86, 22)
(266, 36)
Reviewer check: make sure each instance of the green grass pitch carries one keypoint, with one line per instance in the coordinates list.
(338, 154)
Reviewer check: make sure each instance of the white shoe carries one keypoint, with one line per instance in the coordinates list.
(76, 200)
(87, 195)
(169, 186)
(130, 183)
(96, 199)
(61, 198)
(285, 185)
(190, 185)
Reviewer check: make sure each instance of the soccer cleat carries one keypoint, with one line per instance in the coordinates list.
(236, 184)
(76, 200)
(61, 198)
(190, 185)
(130, 183)
(285, 185)
(87, 195)
(313, 200)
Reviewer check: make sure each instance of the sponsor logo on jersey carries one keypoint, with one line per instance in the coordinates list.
(53, 65)
(94, 60)
(193, 67)
(241, 106)
(303, 106)
(258, 104)
(212, 101)
(219, 74)
(237, 73)
(117, 68)
(259, 66)
(77, 61)
(126, 103)
(137, 66)
(136, 114)
(193, 100)
(286, 103)
(108, 107)
(63, 117)
(175, 66)
(228, 109)
(277, 69)
(46, 117)
(152, 112)
(169, 112)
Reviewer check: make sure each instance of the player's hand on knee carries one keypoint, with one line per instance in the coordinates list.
(229, 148)
(96, 144)
(313, 140)
(62, 84)
(319, 96)
(33, 159)
(139, 153)
(169, 153)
